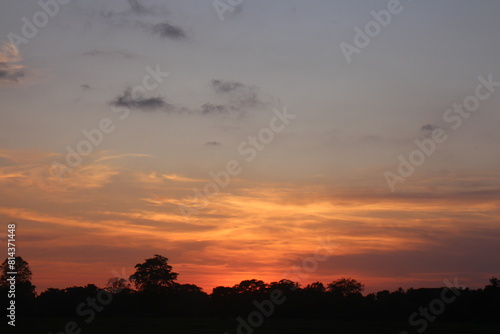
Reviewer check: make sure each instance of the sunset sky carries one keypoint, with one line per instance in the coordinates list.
(232, 76)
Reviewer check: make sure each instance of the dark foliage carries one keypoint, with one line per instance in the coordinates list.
(158, 295)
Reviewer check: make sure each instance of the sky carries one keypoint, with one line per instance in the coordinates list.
(238, 138)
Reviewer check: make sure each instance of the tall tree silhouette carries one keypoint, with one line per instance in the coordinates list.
(20, 266)
(23, 276)
(154, 274)
(24, 289)
(345, 287)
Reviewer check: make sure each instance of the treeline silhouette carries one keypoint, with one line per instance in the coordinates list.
(157, 293)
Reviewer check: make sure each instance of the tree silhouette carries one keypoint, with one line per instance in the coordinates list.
(494, 283)
(23, 276)
(223, 291)
(346, 287)
(494, 290)
(116, 285)
(251, 286)
(160, 295)
(20, 266)
(316, 286)
(154, 275)
(24, 289)
(285, 285)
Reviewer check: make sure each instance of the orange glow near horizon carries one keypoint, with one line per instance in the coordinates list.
(253, 230)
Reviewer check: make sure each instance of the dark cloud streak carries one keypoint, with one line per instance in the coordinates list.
(166, 30)
(141, 103)
(240, 99)
(209, 108)
(140, 16)
(227, 86)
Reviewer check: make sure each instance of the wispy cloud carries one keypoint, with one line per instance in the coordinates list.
(120, 156)
(240, 96)
(138, 8)
(209, 108)
(139, 15)
(9, 69)
(179, 178)
(29, 171)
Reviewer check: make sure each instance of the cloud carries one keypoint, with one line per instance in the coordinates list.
(140, 102)
(221, 86)
(209, 108)
(130, 17)
(239, 99)
(135, 8)
(138, 8)
(179, 178)
(9, 70)
(121, 156)
(241, 96)
(428, 128)
(30, 172)
(166, 30)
